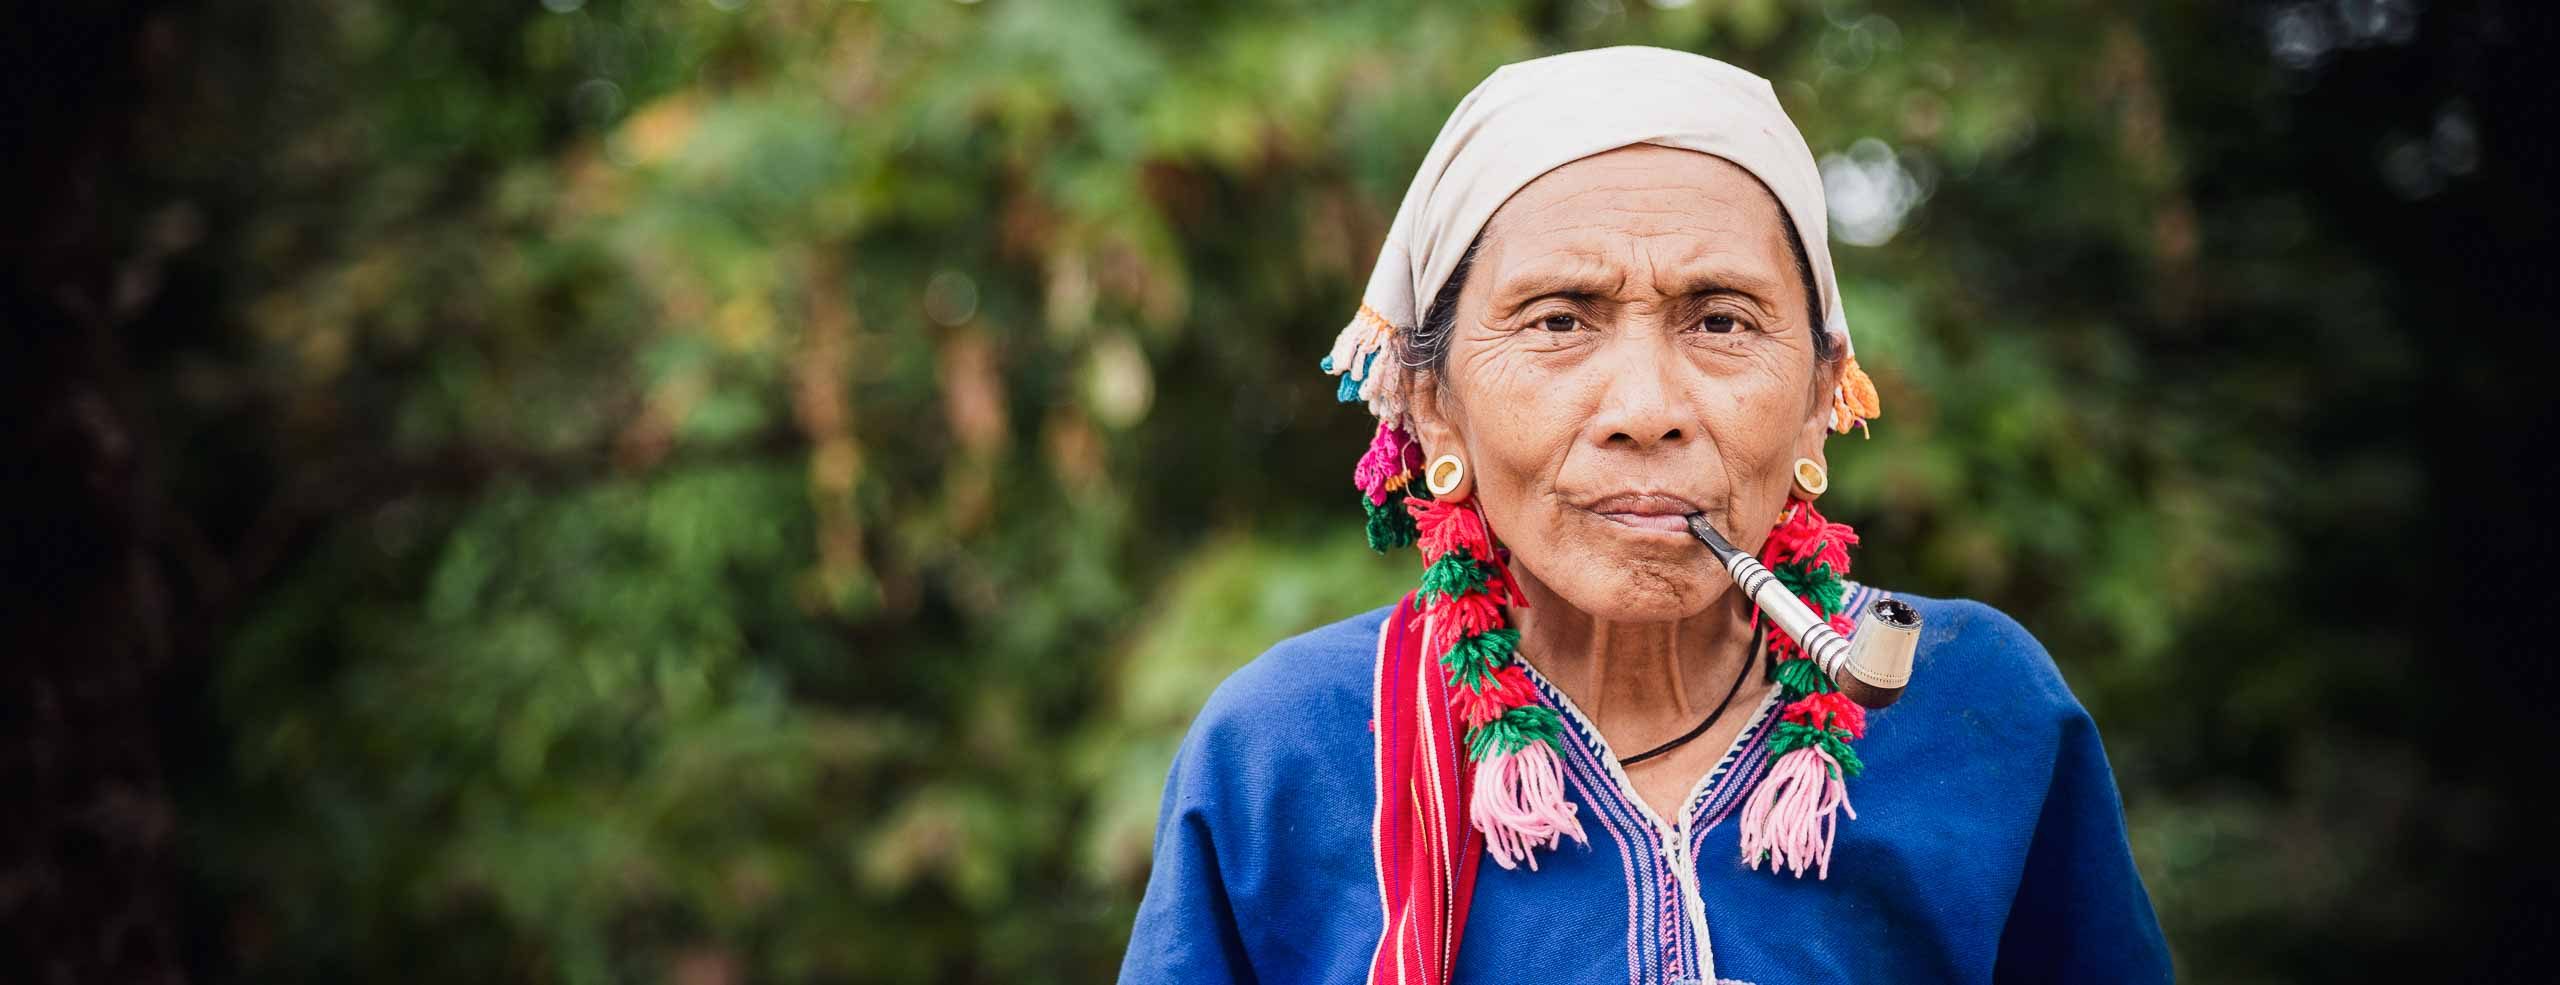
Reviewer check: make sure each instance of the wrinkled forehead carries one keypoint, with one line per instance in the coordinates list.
(1640, 190)
(1637, 219)
(1549, 119)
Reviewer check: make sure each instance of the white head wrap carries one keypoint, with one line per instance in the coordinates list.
(1531, 117)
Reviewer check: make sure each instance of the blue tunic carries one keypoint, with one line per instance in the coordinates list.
(1989, 844)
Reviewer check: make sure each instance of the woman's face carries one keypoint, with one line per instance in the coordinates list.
(1632, 346)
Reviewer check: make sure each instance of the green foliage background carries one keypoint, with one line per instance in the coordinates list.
(753, 490)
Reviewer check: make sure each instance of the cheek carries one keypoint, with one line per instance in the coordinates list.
(1521, 421)
(1751, 417)
(1757, 426)
(1756, 423)
(1521, 425)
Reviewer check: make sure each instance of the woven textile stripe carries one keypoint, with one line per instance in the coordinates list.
(1426, 850)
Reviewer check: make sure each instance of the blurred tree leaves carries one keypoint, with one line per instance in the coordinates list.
(753, 490)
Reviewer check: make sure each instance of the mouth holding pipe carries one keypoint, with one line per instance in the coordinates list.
(1871, 668)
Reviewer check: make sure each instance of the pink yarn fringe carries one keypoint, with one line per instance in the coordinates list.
(1519, 804)
(1791, 816)
(1391, 453)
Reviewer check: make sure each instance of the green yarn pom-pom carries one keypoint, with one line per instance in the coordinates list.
(1390, 525)
(1514, 731)
(1817, 583)
(1455, 574)
(1474, 658)
(1801, 676)
(1792, 736)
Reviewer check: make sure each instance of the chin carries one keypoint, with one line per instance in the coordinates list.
(1643, 590)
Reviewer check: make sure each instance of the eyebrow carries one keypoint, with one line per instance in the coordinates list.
(1696, 281)
(1588, 281)
(1579, 281)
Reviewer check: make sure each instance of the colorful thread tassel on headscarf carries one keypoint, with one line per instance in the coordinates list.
(1518, 801)
(1789, 820)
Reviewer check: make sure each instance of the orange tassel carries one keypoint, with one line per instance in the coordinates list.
(1855, 400)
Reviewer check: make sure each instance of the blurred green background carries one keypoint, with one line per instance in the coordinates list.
(754, 490)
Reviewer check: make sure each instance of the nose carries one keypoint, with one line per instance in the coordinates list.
(1642, 404)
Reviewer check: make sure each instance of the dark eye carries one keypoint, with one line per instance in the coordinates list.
(1719, 324)
(1559, 322)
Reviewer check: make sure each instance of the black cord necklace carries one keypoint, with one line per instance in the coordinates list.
(1748, 662)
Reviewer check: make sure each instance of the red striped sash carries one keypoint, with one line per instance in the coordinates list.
(1426, 850)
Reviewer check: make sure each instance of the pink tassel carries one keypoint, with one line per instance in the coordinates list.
(1791, 816)
(1519, 804)
(1392, 454)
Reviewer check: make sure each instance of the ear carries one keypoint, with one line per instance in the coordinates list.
(1438, 425)
(1817, 425)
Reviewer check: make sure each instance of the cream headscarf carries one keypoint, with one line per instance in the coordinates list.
(1531, 117)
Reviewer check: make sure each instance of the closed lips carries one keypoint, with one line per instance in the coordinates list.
(1646, 511)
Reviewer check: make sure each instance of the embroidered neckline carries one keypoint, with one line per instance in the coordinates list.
(1670, 850)
(1623, 788)
(1709, 786)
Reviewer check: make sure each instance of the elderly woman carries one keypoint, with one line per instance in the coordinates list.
(1631, 322)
